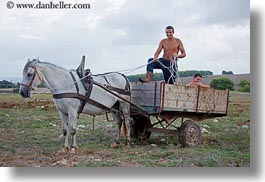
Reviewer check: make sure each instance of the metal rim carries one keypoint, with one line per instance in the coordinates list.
(190, 134)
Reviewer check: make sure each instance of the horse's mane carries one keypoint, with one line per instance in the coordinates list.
(27, 66)
(35, 61)
(51, 64)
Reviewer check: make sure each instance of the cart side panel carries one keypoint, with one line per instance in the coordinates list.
(213, 101)
(146, 95)
(206, 101)
(179, 98)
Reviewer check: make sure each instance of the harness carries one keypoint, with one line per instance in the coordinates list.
(33, 77)
(85, 86)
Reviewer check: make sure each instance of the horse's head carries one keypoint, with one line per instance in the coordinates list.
(31, 78)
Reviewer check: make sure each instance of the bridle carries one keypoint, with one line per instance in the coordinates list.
(32, 79)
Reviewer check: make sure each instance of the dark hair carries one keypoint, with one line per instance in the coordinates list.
(197, 74)
(170, 27)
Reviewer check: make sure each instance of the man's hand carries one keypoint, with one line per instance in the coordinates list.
(155, 59)
(175, 57)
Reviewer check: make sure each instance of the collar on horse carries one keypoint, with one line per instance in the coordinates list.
(85, 76)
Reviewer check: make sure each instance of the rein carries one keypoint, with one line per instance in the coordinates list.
(32, 79)
(30, 84)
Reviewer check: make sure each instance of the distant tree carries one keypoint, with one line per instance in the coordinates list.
(7, 84)
(227, 73)
(244, 86)
(159, 76)
(134, 78)
(222, 84)
(189, 73)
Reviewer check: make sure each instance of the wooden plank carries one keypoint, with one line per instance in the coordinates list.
(173, 92)
(180, 98)
(145, 101)
(144, 86)
(206, 101)
(180, 88)
(147, 94)
(212, 101)
(220, 98)
(180, 105)
(179, 109)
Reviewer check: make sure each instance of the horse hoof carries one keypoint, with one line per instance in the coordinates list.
(64, 149)
(73, 150)
(114, 145)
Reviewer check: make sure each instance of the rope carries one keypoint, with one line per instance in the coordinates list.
(173, 69)
(133, 69)
(126, 71)
(121, 71)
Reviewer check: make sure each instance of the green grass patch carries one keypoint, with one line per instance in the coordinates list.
(30, 134)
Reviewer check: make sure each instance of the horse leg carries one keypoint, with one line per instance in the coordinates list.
(125, 108)
(64, 118)
(117, 118)
(72, 119)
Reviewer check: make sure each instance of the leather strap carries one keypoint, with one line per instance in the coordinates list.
(81, 97)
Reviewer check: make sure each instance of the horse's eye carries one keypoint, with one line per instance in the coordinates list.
(29, 74)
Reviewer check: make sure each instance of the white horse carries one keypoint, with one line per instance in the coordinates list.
(68, 96)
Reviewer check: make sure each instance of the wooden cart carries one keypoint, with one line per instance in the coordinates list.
(167, 103)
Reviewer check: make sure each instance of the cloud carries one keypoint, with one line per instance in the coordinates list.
(125, 33)
(219, 47)
(30, 37)
(226, 12)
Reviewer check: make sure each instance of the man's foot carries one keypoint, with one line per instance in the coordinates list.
(143, 80)
(148, 77)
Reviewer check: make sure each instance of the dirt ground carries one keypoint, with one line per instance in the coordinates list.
(30, 136)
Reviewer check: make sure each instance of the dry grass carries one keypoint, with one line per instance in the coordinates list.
(30, 135)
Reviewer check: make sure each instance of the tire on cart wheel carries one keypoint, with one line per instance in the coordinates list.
(139, 127)
(190, 134)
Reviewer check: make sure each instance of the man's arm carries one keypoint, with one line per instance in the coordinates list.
(159, 49)
(204, 86)
(182, 50)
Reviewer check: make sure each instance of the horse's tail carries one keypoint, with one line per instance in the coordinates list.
(124, 130)
(124, 126)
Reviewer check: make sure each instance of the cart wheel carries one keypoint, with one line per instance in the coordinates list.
(190, 134)
(139, 127)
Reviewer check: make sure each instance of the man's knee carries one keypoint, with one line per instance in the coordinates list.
(150, 59)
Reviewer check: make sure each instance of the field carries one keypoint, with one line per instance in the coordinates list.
(30, 136)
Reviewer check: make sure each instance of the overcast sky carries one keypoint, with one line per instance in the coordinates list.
(122, 34)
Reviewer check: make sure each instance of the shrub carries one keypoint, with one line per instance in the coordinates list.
(244, 86)
(222, 84)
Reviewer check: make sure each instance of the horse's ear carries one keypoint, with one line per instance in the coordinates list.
(38, 59)
(28, 60)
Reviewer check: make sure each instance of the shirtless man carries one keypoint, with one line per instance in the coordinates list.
(171, 47)
(196, 82)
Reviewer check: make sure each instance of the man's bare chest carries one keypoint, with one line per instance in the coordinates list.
(171, 46)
